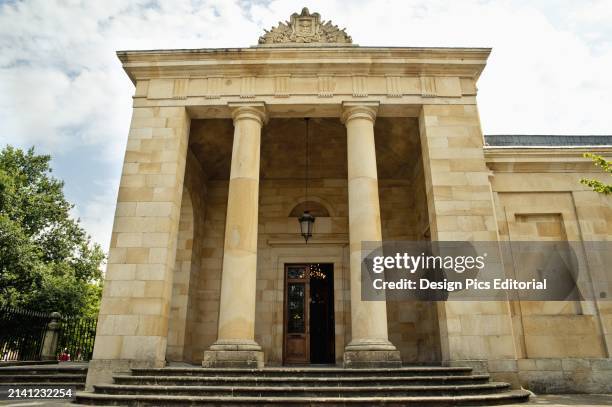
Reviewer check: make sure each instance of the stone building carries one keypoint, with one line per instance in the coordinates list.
(207, 265)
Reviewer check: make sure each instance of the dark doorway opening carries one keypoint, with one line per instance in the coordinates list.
(309, 314)
(322, 313)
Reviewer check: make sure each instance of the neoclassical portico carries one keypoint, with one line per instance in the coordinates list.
(236, 345)
(204, 229)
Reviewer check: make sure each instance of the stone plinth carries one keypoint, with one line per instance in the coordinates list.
(234, 353)
(365, 353)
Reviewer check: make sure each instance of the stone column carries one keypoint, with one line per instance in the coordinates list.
(235, 345)
(133, 320)
(369, 346)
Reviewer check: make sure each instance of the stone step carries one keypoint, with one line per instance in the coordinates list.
(68, 375)
(43, 370)
(11, 363)
(302, 391)
(165, 400)
(43, 378)
(305, 371)
(255, 380)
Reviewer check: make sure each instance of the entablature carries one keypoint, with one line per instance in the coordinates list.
(319, 72)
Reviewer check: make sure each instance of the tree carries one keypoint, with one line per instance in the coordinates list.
(47, 261)
(595, 184)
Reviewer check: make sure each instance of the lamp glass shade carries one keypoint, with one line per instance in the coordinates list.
(306, 224)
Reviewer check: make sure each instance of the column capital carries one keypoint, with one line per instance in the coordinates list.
(362, 110)
(249, 110)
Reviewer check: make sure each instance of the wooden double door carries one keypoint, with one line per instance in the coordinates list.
(309, 314)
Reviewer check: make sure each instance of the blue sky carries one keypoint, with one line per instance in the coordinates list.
(63, 91)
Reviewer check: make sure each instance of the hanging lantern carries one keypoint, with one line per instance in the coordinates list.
(306, 220)
(306, 224)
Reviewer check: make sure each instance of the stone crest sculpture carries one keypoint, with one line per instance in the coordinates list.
(305, 28)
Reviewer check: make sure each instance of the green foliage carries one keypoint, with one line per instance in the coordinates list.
(47, 261)
(595, 184)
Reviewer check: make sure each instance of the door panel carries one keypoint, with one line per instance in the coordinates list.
(296, 315)
(308, 314)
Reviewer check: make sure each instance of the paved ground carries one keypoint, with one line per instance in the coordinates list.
(557, 400)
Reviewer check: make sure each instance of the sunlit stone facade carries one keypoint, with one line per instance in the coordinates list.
(213, 181)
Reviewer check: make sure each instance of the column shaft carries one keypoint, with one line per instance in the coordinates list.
(235, 345)
(369, 344)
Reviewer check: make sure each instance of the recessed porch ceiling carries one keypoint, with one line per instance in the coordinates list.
(283, 148)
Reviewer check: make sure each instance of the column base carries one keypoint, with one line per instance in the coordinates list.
(371, 353)
(234, 353)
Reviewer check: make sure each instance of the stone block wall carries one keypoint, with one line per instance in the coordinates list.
(183, 312)
(206, 292)
(549, 329)
(413, 325)
(562, 346)
(460, 207)
(280, 242)
(133, 320)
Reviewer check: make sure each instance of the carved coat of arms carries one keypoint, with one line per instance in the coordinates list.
(305, 28)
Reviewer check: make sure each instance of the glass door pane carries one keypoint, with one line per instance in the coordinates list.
(295, 302)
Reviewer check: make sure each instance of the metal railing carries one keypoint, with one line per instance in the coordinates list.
(76, 338)
(31, 335)
(22, 334)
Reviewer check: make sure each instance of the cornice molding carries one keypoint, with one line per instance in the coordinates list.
(462, 62)
(543, 159)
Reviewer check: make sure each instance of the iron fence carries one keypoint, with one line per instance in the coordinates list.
(76, 338)
(22, 335)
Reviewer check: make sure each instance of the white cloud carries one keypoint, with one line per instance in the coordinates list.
(63, 89)
(96, 214)
(45, 107)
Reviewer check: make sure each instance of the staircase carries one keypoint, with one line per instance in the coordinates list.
(283, 386)
(40, 374)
